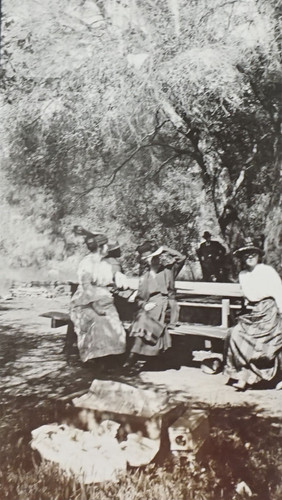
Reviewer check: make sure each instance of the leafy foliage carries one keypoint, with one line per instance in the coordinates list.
(122, 100)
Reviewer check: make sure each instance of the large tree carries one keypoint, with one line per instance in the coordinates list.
(116, 99)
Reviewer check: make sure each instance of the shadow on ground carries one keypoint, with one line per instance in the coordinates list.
(36, 374)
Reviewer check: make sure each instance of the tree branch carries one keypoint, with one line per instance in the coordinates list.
(241, 178)
(168, 160)
(170, 146)
(87, 25)
(183, 126)
(267, 107)
(213, 9)
(117, 169)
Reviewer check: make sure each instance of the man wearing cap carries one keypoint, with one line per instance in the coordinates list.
(211, 254)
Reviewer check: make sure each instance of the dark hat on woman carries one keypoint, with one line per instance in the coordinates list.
(146, 249)
(250, 246)
(101, 239)
(96, 240)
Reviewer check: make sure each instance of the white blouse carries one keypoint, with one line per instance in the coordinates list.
(263, 281)
(92, 269)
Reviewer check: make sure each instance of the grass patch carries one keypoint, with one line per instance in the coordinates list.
(243, 447)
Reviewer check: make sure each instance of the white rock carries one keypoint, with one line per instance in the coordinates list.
(243, 489)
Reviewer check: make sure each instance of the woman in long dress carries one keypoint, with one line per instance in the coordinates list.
(254, 347)
(99, 330)
(156, 299)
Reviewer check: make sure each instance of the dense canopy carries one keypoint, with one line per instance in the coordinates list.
(143, 118)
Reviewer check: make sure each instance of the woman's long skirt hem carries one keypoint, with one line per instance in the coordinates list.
(255, 345)
(98, 335)
(144, 348)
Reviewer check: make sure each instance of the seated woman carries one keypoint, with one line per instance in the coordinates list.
(99, 330)
(156, 296)
(112, 257)
(255, 344)
(123, 295)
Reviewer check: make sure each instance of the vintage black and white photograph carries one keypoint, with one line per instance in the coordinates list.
(140, 250)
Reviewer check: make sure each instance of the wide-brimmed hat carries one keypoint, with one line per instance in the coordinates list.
(146, 249)
(113, 246)
(101, 239)
(81, 231)
(96, 239)
(212, 366)
(249, 246)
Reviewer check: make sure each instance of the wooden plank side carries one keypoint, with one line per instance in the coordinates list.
(203, 288)
(207, 331)
(225, 311)
(57, 315)
(209, 305)
(199, 287)
(215, 305)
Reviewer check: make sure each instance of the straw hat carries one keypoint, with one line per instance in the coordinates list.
(211, 366)
(113, 246)
(146, 249)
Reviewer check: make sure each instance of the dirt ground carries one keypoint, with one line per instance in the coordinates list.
(33, 363)
(36, 378)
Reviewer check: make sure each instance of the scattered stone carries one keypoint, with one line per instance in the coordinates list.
(139, 450)
(117, 397)
(243, 489)
(112, 425)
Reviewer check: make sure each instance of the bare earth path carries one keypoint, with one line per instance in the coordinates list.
(245, 428)
(32, 363)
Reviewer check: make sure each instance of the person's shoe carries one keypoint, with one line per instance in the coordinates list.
(230, 381)
(240, 386)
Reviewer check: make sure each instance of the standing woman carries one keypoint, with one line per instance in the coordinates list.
(96, 321)
(255, 345)
(155, 298)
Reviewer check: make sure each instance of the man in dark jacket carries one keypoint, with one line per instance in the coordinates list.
(211, 255)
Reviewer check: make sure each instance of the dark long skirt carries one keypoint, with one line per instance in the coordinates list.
(150, 330)
(254, 346)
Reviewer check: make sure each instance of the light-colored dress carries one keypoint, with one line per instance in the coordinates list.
(96, 321)
(255, 343)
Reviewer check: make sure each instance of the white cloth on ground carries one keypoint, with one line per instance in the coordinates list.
(91, 458)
